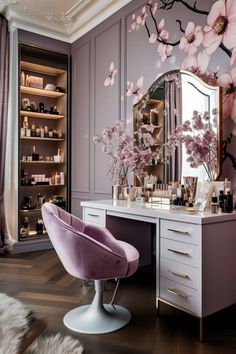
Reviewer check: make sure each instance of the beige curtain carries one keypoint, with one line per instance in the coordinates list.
(11, 167)
(4, 47)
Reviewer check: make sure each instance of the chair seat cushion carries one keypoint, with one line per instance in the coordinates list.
(132, 256)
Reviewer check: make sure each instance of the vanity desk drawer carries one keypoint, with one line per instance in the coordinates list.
(94, 216)
(180, 231)
(180, 252)
(180, 295)
(180, 273)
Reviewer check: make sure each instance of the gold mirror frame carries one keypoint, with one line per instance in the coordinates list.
(155, 97)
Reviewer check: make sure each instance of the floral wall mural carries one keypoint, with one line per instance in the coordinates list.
(198, 36)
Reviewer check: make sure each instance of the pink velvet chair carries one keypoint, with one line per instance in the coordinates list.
(90, 252)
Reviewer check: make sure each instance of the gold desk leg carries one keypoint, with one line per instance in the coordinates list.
(201, 330)
(157, 307)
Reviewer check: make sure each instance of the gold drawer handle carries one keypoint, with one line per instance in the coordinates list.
(178, 293)
(180, 231)
(94, 215)
(180, 274)
(178, 252)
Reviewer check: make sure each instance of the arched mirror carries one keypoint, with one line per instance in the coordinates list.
(169, 103)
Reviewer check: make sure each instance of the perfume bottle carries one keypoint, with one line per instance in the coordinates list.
(214, 204)
(221, 201)
(25, 228)
(33, 130)
(39, 226)
(22, 78)
(228, 202)
(35, 157)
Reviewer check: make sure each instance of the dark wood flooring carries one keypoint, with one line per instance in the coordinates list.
(39, 280)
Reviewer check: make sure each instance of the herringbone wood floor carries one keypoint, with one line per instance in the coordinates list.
(39, 280)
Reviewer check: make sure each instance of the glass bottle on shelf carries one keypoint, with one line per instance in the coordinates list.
(46, 131)
(39, 226)
(25, 122)
(25, 228)
(33, 130)
(35, 156)
(22, 78)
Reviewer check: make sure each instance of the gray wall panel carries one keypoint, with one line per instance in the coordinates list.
(81, 119)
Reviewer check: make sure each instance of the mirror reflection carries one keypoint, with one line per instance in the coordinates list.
(167, 105)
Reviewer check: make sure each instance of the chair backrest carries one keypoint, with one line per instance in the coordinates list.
(82, 255)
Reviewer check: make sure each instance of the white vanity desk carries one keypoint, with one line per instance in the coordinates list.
(195, 253)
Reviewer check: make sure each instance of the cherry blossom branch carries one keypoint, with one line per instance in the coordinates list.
(226, 50)
(154, 20)
(227, 155)
(148, 32)
(180, 26)
(167, 5)
(159, 39)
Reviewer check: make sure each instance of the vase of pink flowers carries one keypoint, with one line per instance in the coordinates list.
(124, 154)
(200, 141)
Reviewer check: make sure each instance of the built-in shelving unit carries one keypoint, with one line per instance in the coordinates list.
(43, 138)
(150, 118)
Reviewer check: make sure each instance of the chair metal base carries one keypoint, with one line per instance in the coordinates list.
(83, 320)
(97, 318)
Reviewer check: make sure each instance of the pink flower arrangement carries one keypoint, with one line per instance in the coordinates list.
(200, 141)
(123, 153)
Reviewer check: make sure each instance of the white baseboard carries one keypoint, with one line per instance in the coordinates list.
(32, 245)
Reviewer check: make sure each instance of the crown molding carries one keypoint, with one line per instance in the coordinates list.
(68, 26)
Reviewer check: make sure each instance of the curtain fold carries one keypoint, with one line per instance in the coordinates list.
(4, 76)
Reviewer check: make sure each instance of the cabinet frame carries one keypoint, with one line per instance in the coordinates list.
(40, 67)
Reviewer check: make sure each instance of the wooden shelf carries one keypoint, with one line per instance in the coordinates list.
(145, 126)
(44, 139)
(34, 236)
(42, 162)
(41, 92)
(41, 115)
(154, 101)
(42, 185)
(30, 211)
(157, 144)
(41, 69)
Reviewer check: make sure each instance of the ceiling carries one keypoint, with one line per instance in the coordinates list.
(65, 20)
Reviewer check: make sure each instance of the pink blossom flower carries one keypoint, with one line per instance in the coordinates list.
(161, 33)
(129, 88)
(134, 25)
(153, 38)
(110, 78)
(197, 65)
(221, 26)
(142, 18)
(228, 82)
(164, 50)
(135, 91)
(233, 112)
(233, 57)
(154, 6)
(192, 38)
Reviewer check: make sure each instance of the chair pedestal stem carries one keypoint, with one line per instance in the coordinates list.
(97, 317)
